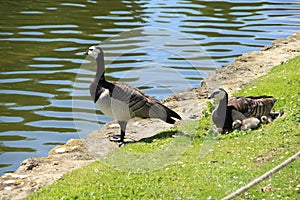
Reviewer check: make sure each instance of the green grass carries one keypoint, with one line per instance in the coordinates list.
(202, 165)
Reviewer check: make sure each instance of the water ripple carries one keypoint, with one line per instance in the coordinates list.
(31, 33)
(39, 40)
(10, 119)
(73, 5)
(14, 80)
(49, 26)
(31, 12)
(27, 93)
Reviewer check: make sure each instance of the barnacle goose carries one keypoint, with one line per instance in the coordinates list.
(241, 110)
(122, 101)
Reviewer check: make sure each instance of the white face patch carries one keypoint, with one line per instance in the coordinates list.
(219, 94)
(93, 51)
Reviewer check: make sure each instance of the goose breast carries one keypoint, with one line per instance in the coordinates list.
(112, 107)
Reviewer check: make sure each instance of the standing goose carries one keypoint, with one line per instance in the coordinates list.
(240, 109)
(122, 101)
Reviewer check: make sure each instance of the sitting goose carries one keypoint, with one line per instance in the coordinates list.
(122, 101)
(239, 108)
(223, 115)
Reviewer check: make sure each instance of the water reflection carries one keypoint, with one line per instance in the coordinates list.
(41, 54)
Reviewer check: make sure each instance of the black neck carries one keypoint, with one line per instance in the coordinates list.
(224, 101)
(223, 104)
(99, 79)
(100, 69)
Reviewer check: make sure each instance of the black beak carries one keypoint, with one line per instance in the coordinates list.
(209, 97)
(86, 52)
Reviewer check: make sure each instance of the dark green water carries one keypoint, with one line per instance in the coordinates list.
(42, 43)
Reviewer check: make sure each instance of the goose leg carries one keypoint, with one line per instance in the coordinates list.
(123, 125)
(120, 138)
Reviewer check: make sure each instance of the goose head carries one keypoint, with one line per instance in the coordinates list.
(218, 94)
(237, 124)
(97, 53)
(94, 51)
(265, 119)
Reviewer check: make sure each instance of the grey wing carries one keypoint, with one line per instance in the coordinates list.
(236, 115)
(260, 106)
(241, 104)
(139, 104)
(144, 106)
(253, 106)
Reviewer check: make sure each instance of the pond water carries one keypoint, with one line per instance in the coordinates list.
(146, 43)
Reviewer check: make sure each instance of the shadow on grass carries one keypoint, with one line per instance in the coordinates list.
(161, 135)
(164, 135)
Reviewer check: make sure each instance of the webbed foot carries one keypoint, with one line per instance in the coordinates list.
(118, 139)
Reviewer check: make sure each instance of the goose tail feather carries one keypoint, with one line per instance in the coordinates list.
(170, 114)
(164, 113)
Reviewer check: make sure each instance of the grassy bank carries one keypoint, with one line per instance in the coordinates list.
(204, 166)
